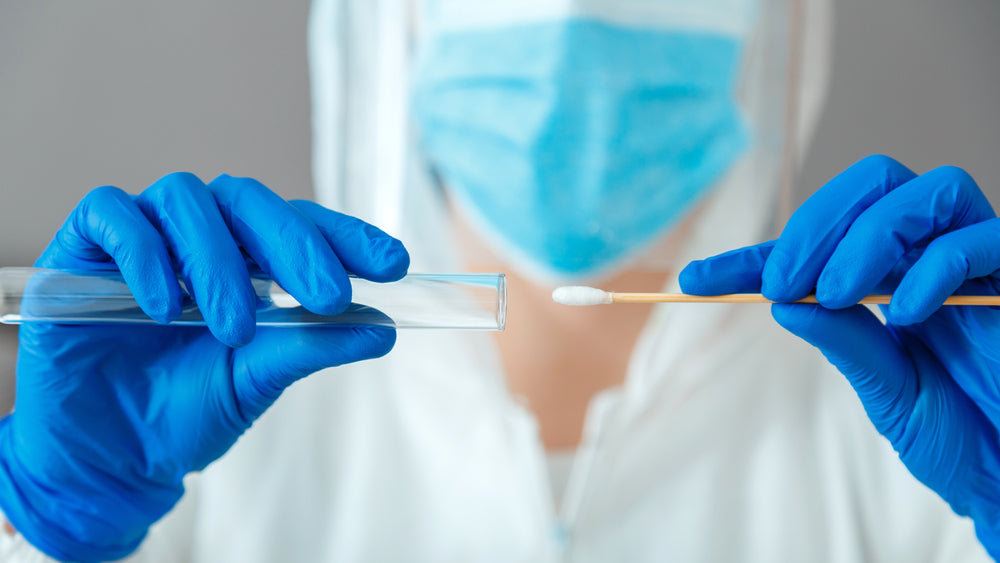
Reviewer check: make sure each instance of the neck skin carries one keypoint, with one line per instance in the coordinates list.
(558, 357)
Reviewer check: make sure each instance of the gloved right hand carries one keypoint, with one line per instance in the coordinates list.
(109, 419)
(929, 376)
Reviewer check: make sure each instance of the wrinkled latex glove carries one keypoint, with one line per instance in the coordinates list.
(109, 419)
(929, 378)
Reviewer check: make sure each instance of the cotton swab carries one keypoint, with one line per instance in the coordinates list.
(579, 295)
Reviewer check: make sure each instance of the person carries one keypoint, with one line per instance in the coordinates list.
(553, 142)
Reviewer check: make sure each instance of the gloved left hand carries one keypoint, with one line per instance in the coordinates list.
(929, 378)
(109, 418)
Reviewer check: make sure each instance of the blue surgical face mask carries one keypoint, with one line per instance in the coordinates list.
(575, 144)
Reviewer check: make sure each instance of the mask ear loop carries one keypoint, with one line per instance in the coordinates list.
(790, 151)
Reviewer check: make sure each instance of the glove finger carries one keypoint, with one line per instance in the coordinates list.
(864, 350)
(814, 230)
(186, 214)
(107, 229)
(284, 243)
(739, 271)
(890, 282)
(939, 201)
(278, 357)
(736, 271)
(947, 263)
(364, 249)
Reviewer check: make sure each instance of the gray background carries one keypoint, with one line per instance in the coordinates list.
(121, 92)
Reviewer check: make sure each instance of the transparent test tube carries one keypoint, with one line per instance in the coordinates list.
(454, 301)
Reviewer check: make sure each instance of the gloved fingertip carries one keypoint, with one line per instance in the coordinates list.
(393, 260)
(903, 311)
(380, 342)
(777, 282)
(158, 296)
(693, 278)
(332, 298)
(164, 310)
(830, 296)
(231, 315)
(343, 300)
(236, 330)
(797, 318)
(773, 281)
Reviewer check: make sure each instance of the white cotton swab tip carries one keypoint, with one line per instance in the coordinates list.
(580, 295)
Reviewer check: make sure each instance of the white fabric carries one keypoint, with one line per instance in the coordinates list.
(559, 466)
(16, 549)
(729, 441)
(424, 456)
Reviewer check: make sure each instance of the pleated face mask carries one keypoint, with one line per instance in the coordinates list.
(575, 135)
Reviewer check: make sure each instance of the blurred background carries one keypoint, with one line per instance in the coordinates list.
(121, 92)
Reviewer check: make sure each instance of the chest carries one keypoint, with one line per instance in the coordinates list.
(390, 461)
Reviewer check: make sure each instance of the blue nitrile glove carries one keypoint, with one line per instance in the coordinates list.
(109, 419)
(930, 377)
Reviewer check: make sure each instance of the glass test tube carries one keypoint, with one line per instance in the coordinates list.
(455, 301)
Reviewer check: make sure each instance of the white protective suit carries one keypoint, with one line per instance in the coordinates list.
(730, 440)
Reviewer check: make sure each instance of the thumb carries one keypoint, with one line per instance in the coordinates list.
(866, 352)
(278, 357)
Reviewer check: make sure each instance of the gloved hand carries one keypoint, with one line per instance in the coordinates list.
(929, 378)
(109, 419)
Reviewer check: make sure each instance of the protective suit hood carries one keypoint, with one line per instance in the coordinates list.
(367, 162)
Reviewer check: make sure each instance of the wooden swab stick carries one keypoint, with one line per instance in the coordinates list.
(581, 296)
